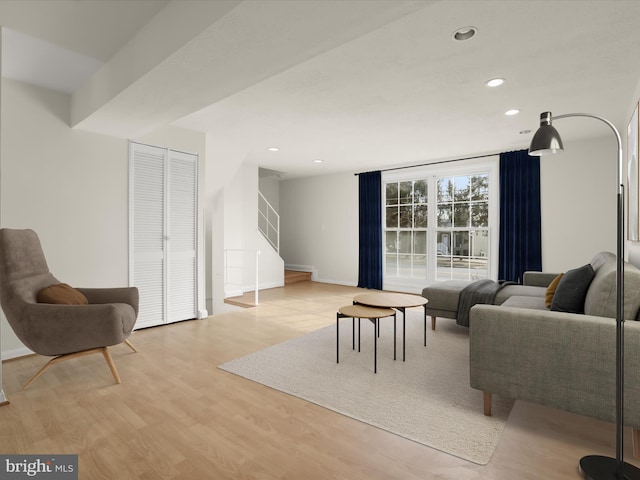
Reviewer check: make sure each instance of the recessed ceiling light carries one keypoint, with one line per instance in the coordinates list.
(464, 33)
(515, 111)
(318, 160)
(495, 82)
(273, 149)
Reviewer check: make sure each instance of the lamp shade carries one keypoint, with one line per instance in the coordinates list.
(546, 139)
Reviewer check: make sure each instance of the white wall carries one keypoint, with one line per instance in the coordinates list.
(69, 186)
(319, 226)
(231, 223)
(271, 265)
(270, 187)
(224, 159)
(241, 223)
(578, 195)
(319, 215)
(241, 233)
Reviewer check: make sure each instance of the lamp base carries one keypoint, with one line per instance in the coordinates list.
(597, 467)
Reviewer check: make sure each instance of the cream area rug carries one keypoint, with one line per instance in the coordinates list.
(426, 399)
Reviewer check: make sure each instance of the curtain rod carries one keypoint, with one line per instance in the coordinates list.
(434, 163)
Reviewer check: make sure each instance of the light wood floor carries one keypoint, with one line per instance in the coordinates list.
(178, 416)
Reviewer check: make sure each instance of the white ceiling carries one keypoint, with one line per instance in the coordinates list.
(358, 84)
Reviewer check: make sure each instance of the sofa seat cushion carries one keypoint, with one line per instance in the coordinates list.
(528, 302)
(519, 290)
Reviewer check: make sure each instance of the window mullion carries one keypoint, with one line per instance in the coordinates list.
(432, 227)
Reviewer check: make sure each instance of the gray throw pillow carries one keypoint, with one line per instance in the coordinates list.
(572, 290)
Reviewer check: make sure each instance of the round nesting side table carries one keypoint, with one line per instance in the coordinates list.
(399, 301)
(370, 313)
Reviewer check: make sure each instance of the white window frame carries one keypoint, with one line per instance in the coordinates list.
(488, 165)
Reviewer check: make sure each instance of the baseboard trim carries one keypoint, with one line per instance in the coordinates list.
(336, 282)
(16, 353)
(299, 268)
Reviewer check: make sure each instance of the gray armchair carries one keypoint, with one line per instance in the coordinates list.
(59, 330)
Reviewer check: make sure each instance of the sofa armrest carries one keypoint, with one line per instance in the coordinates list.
(561, 360)
(538, 279)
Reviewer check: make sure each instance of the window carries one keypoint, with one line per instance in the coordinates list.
(406, 215)
(463, 227)
(437, 224)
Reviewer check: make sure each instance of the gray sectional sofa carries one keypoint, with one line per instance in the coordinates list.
(522, 350)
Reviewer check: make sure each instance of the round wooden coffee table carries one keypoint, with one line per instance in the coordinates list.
(373, 314)
(399, 301)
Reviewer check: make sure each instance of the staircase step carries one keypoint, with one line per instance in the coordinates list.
(295, 276)
(245, 301)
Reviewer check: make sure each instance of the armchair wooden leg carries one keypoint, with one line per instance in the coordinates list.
(433, 322)
(38, 373)
(112, 366)
(55, 360)
(486, 399)
(69, 356)
(130, 345)
(635, 442)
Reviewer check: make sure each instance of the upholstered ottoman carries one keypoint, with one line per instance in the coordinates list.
(443, 299)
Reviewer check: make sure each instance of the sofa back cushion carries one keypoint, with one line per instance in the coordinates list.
(572, 289)
(603, 258)
(601, 296)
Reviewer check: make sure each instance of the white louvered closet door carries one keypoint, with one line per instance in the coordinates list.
(163, 203)
(183, 182)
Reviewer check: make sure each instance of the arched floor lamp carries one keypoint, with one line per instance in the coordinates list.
(596, 467)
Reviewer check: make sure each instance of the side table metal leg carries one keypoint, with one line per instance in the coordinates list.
(337, 338)
(404, 329)
(425, 325)
(394, 336)
(353, 333)
(376, 326)
(404, 336)
(358, 335)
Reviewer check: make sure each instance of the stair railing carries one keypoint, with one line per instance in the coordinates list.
(269, 222)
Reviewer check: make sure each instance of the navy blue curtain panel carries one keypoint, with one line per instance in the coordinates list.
(520, 247)
(370, 221)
